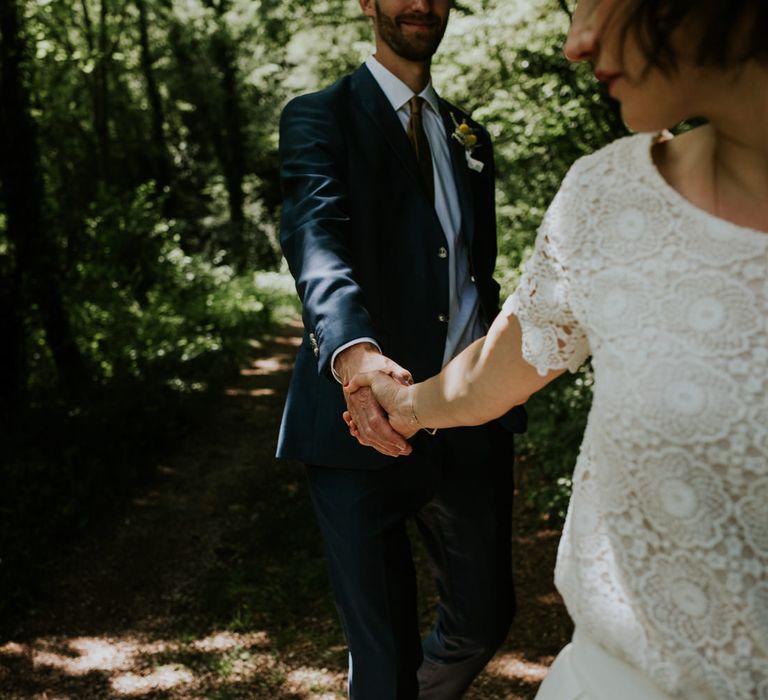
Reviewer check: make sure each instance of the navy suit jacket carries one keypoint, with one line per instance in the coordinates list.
(363, 243)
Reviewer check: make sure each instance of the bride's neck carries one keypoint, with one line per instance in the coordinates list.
(739, 162)
(722, 168)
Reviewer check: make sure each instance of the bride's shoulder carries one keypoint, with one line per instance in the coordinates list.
(621, 158)
(598, 184)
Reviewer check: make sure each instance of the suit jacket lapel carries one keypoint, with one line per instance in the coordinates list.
(461, 176)
(372, 100)
(375, 104)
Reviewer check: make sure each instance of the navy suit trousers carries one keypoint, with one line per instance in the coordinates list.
(457, 487)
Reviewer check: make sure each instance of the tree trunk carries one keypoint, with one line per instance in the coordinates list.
(233, 157)
(224, 120)
(98, 84)
(19, 187)
(160, 158)
(102, 97)
(34, 276)
(12, 361)
(235, 153)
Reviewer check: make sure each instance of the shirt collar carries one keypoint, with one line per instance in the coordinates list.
(396, 91)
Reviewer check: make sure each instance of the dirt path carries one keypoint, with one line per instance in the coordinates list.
(211, 584)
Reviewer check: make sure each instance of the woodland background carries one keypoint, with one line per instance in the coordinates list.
(139, 208)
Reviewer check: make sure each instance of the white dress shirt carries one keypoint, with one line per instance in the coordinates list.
(464, 321)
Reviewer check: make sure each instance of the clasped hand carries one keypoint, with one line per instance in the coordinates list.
(376, 391)
(392, 396)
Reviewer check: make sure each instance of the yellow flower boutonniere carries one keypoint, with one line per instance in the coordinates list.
(467, 137)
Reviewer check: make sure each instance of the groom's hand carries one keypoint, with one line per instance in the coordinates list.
(371, 423)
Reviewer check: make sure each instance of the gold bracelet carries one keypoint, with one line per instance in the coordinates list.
(416, 420)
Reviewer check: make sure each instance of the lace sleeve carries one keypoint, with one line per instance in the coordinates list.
(552, 335)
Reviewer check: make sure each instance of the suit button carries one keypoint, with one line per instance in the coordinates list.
(442, 318)
(473, 278)
(442, 252)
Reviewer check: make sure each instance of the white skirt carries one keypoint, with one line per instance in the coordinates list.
(584, 670)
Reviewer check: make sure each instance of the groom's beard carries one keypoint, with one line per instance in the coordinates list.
(411, 43)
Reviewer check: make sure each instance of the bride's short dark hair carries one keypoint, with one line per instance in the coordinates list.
(730, 31)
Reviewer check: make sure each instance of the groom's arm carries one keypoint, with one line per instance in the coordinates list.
(315, 237)
(316, 228)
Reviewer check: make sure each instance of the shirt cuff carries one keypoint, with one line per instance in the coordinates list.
(356, 341)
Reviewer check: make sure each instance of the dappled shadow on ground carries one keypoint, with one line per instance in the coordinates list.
(541, 627)
(222, 665)
(212, 583)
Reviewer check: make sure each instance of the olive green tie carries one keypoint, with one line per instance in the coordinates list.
(418, 138)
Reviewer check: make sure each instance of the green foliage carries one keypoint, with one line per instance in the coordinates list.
(557, 417)
(143, 309)
(154, 365)
(505, 64)
(156, 143)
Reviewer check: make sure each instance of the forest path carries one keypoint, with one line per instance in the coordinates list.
(211, 583)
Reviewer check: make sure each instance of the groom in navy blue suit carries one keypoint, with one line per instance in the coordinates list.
(389, 230)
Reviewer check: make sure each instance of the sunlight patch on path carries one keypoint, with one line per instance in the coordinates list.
(317, 684)
(551, 598)
(81, 655)
(516, 667)
(249, 392)
(269, 365)
(162, 678)
(135, 666)
(227, 641)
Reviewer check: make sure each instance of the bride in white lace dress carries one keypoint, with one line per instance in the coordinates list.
(653, 260)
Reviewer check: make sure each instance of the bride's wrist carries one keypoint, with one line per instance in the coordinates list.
(409, 408)
(414, 416)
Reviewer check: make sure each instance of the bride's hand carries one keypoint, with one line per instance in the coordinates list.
(395, 398)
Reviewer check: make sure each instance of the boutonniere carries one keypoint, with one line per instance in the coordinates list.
(467, 137)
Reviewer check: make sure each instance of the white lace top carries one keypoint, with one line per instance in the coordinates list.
(664, 555)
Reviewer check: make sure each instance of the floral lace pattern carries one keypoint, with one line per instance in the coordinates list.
(664, 555)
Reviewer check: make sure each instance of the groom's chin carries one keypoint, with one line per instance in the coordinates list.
(419, 47)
